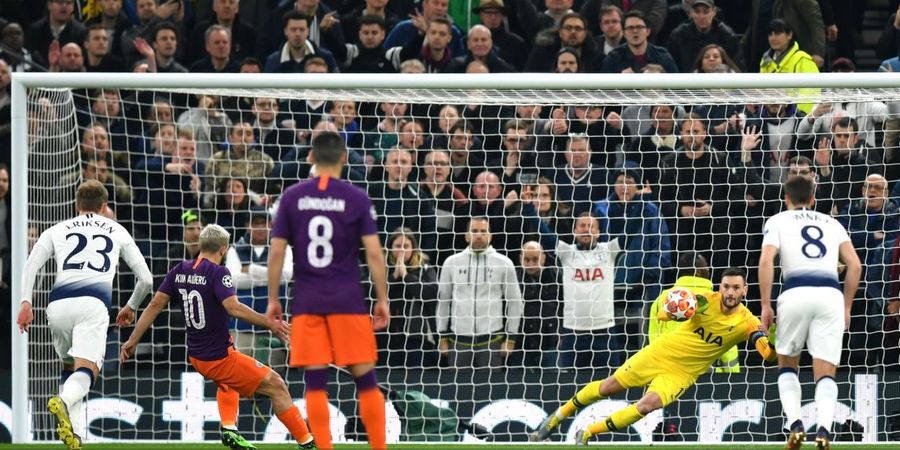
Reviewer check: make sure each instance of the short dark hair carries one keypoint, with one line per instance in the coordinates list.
(315, 60)
(293, 15)
(372, 19)
(800, 161)
(637, 14)
(442, 20)
(780, 26)
(251, 61)
(328, 147)
(94, 27)
(480, 218)
(801, 190)
(91, 196)
(164, 25)
(845, 122)
(611, 9)
(691, 263)
(735, 272)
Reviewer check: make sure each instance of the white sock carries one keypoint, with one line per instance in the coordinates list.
(789, 392)
(75, 389)
(826, 399)
(76, 416)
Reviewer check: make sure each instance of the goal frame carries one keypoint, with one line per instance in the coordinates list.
(21, 82)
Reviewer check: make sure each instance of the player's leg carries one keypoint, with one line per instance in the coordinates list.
(824, 344)
(274, 387)
(623, 418)
(311, 349)
(589, 394)
(228, 401)
(794, 312)
(354, 348)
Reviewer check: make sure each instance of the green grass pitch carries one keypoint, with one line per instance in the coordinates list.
(212, 446)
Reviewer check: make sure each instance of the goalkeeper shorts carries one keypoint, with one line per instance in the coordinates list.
(645, 369)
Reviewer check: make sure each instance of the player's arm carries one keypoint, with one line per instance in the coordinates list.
(143, 284)
(156, 306)
(852, 273)
(378, 274)
(240, 311)
(766, 280)
(277, 249)
(41, 252)
(765, 348)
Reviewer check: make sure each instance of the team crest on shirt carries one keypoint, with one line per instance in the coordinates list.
(226, 281)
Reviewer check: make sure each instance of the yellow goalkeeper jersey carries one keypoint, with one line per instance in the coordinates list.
(697, 343)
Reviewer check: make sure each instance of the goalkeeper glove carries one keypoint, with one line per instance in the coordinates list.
(772, 329)
(702, 303)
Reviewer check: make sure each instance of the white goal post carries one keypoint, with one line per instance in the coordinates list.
(549, 90)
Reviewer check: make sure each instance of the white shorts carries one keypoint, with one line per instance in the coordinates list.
(813, 316)
(78, 327)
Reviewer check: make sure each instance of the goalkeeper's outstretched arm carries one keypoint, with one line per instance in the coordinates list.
(765, 348)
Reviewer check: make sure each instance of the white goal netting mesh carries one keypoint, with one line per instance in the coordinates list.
(687, 177)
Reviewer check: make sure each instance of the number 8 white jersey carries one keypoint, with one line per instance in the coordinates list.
(808, 242)
(86, 249)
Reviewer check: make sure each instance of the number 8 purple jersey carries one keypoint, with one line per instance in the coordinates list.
(324, 220)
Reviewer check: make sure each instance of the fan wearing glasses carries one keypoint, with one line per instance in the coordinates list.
(637, 54)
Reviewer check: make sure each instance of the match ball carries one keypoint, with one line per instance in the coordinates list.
(681, 304)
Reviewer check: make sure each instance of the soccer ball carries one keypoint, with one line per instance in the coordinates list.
(681, 304)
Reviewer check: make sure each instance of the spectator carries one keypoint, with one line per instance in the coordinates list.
(556, 215)
(368, 55)
(275, 139)
(479, 303)
(247, 260)
(610, 34)
(164, 41)
(533, 23)
(150, 15)
(604, 125)
(697, 203)
(801, 16)
(60, 25)
(292, 56)
(466, 156)
(447, 118)
(398, 201)
(5, 112)
(352, 21)
(712, 58)
(842, 167)
(242, 35)
(654, 145)
(342, 113)
(567, 61)
(407, 30)
(410, 339)
(481, 48)
(654, 10)
(448, 202)
(208, 123)
(218, 53)
(637, 52)
(231, 208)
(412, 66)
(687, 40)
(119, 192)
(295, 164)
(69, 58)
(889, 40)
(587, 337)
(99, 57)
(240, 159)
(869, 115)
(115, 22)
(777, 141)
(517, 156)
(572, 33)
(486, 200)
(433, 47)
(187, 248)
(785, 56)
(324, 30)
(509, 45)
(13, 50)
(540, 319)
(580, 183)
(629, 211)
(251, 65)
(386, 134)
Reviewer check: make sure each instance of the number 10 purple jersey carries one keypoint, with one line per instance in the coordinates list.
(324, 220)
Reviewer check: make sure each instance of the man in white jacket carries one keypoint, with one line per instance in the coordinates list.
(479, 303)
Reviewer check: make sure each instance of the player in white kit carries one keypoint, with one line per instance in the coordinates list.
(811, 309)
(87, 250)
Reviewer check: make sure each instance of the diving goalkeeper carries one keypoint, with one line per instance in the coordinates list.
(671, 364)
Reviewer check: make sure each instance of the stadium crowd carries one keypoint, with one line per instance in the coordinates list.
(475, 201)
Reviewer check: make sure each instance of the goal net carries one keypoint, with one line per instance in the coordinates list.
(682, 171)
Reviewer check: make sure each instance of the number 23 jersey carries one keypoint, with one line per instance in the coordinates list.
(324, 219)
(808, 242)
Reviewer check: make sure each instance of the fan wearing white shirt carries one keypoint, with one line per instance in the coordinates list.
(87, 250)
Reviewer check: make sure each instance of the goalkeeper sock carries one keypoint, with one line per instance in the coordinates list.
(789, 392)
(77, 387)
(317, 406)
(371, 409)
(227, 400)
(826, 398)
(294, 422)
(586, 396)
(618, 421)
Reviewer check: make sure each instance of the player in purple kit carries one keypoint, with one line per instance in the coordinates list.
(206, 288)
(325, 219)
